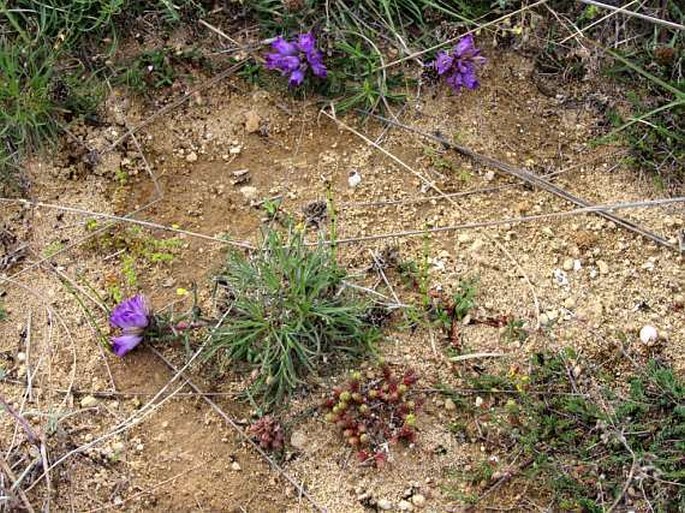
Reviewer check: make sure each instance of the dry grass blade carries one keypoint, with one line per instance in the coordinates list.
(634, 14)
(5, 468)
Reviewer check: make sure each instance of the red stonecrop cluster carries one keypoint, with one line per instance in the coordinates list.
(268, 433)
(373, 410)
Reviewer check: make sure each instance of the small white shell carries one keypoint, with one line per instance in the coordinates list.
(648, 334)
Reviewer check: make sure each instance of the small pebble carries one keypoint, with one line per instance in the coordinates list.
(89, 402)
(299, 440)
(354, 179)
(249, 192)
(235, 467)
(569, 303)
(252, 121)
(568, 264)
(384, 504)
(449, 405)
(191, 157)
(405, 506)
(603, 267)
(648, 334)
(21, 357)
(418, 500)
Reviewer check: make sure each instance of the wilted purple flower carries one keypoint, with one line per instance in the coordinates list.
(294, 58)
(132, 316)
(459, 66)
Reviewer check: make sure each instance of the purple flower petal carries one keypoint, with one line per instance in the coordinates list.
(465, 46)
(125, 343)
(283, 47)
(315, 60)
(296, 77)
(283, 63)
(443, 62)
(131, 314)
(306, 43)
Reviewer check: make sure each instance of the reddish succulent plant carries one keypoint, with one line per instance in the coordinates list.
(374, 410)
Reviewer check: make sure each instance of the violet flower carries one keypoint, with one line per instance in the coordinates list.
(132, 316)
(296, 57)
(459, 66)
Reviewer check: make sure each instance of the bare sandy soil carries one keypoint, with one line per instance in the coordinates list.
(111, 448)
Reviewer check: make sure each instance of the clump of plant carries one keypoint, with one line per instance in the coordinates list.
(289, 312)
(575, 429)
(373, 411)
(268, 433)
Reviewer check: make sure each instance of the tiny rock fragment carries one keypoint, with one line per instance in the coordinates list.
(405, 506)
(568, 264)
(476, 246)
(298, 440)
(89, 402)
(191, 157)
(252, 121)
(648, 334)
(384, 504)
(603, 267)
(354, 179)
(241, 176)
(249, 192)
(235, 467)
(418, 500)
(449, 405)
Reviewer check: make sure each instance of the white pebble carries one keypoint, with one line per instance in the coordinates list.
(354, 179)
(648, 334)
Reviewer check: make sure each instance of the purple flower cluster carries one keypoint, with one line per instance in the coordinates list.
(294, 58)
(459, 66)
(132, 317)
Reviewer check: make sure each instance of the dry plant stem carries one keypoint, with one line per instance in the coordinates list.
(482, 190)
(629, 480)
(475, 356)
(300, 488)
(623, 10)
(29, 377)
(218, 78)
(31, 435)
(385, 279)
(77, 287)
(129, 220)
(508, 220)
(430, 184)
(579, 32)
(80, 241)
(532, 179)
(13, 479)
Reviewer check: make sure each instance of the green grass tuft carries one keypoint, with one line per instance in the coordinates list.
(289, 311)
